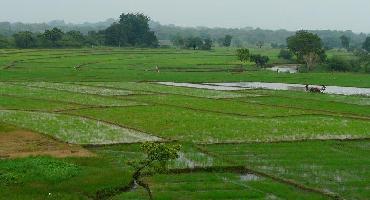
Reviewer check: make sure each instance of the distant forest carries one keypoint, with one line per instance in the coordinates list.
(166, 33)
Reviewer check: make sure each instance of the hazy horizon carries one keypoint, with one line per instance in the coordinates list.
(266, 14)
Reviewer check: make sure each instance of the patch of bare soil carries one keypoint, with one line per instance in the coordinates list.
(21, 143)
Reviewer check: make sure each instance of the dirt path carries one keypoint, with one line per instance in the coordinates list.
(22, 143)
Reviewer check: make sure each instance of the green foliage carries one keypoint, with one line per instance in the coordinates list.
(345, 41)
(131, 30)
(193, 42)
(338, 63)
(304, 43)
(4, 42)
(366, 44)
(285, 54)
(207, 44)
(243, 55)
(36, 168)
(226, 41)
(157, 157)
(260, 60)
(24, 40)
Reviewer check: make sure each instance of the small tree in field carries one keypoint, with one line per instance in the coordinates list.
(155, 161)
(243, 55)
(260, 60)
(304, 43)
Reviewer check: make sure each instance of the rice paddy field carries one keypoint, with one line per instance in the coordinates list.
(72, 120)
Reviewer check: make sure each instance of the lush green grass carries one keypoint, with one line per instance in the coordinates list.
(74, 178)
(336, 166)
(189, 125)
(80, 106)
(74, 129)
(139, 65)
(216, 186)
(61, 96)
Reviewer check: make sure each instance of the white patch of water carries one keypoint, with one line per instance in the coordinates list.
(249, 177)
(298, 87)
(284, 69)
(201, 86)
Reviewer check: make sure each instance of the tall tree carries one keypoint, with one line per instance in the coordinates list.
(207, 44)
(345, 41)
(24, 39)
(226, 41)
(53, 36)
(366, 44)
(131, 30)
(306, 44)
(193, 42)
(4, 42)
(260, 60)
(243, 55)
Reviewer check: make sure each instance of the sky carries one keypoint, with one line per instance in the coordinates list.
(267, 14)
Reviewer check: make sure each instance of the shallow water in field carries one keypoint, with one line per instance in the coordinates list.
(284, 69)
(249, 177)
(270, 86)
(299, 87)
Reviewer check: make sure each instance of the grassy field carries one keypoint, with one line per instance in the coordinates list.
(220, 65)
(250, 144)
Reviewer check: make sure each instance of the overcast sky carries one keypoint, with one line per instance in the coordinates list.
(270, 14)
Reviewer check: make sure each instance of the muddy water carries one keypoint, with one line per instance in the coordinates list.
(270, 86)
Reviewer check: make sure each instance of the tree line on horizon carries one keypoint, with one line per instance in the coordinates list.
(138, 30)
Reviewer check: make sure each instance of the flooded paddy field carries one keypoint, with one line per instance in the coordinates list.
(271, 86)
(71, 133)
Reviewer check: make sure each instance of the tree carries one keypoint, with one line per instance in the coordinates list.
(73, 39)
(207, 44)
(260, 60)
(24, 39)
(54, 36)
(193, 42)
(311, 59)
(260, 44)
(155, 161)
(95, 38)
(306, 44)
(131, 30)
(285, 54)
(243, 55)
(226, 41)
(366, 44)
(345, 41)
(4, 42)
(178, 41)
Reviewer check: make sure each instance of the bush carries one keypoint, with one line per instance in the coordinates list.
(260, 60)
(285, 54)
(342, 65)
(36, 168)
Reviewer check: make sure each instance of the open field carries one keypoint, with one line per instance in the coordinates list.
(220, 65)
(82, 114)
